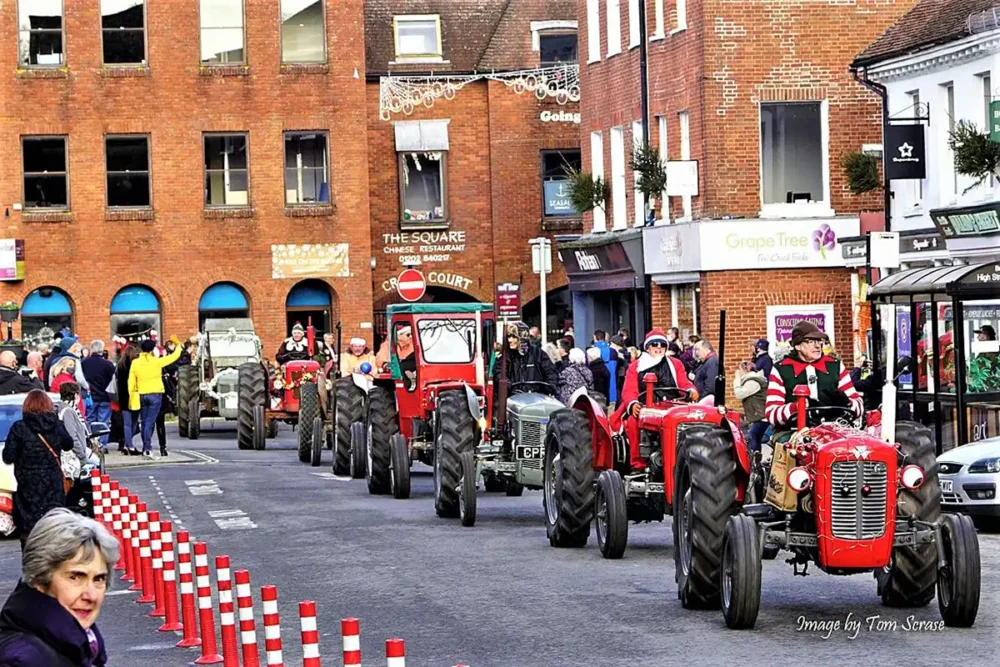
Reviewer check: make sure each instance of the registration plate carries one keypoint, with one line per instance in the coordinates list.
(945, 485)
(529, 451)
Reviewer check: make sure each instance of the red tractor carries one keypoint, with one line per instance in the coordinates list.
(853, 503)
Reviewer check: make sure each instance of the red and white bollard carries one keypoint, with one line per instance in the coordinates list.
(272, 624)
(188, 619)
(156, 551)
(146, 558)
(227, 614)
(350, 628)
(395, 653)
(310, 634)
(127, 517)
(171, 623)
(106, 500)
(248, 627)
(114, 493)
(209, 648)
(136, 551)
(97, 495)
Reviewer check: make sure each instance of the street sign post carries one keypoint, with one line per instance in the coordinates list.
(508, 301)
(411, 285)
(541, 263)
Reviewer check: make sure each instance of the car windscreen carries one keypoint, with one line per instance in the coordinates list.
(445, 340)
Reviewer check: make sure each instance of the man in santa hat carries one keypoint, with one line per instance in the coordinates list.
(669, 373)
(294, 348)
(359, 354)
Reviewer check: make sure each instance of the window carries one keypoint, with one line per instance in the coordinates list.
(303, 31)
(987, 98)
(638, 199)
(952, 173)
(418, 37)
(658, 30)
(306, 168)
(46, 174)
(682, 18)
(222, 32)
(619, 207)
(593, 31)
(447, 341)
(557, 47)
(555, 181)
(614, 27)
(597, 171)
(128, 171)
(634, 35)
(227, 181)
(40, 33)
(791, 153)
(917, 185)
(661, 125)
(123, 31)
(684, 123)
(422, 178)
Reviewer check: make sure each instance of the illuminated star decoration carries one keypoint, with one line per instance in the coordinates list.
(906, 150)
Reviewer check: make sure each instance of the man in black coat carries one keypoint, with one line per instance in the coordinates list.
(599, 369)
(11, 380)
(99, 372)
(526, 363)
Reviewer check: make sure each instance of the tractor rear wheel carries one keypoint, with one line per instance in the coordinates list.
(359, 450)
(960, 580)
(455, 433)
(383, 423)
(272, 430)
(704, 499)
(316, 442)
(467, 496)
(612, 515)
(740, 573)
(194, 417)
(909, 579)
(568, 496)
(252, 393)
(350, 402)
(308, 412)
(399, 473)
(187, 388)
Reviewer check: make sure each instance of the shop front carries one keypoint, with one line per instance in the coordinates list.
(672, 256)
(607, 283)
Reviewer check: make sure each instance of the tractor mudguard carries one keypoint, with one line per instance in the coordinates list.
(362, 382)
(600, 428)
(473, 400)
(739, 444)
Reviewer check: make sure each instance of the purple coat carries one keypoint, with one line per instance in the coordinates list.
(35, 631)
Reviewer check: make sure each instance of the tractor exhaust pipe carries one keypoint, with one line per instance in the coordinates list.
(311, 337)
(720, 379)
(340, 351)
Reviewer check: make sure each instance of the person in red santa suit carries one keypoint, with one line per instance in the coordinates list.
(669, 372)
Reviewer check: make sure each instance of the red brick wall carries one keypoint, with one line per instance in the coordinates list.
(181, 253)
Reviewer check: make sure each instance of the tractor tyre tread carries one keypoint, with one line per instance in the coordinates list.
(384, 423)
(456, 434)
(252, 392)
(187, 387)
(308, 411)
(350, 402)
(570, 435)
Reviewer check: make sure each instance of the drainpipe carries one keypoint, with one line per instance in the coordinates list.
(644, 102)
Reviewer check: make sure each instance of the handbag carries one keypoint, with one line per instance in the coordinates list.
(112, 388)
(63, 464)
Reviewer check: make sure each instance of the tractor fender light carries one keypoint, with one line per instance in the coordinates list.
(799, 479)
(911, 476)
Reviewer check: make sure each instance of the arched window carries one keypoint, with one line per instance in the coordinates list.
(223, 301)
(310, 300)
(135, 312)
(44, 312)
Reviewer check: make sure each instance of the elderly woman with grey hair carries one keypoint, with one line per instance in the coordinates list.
(48, 621)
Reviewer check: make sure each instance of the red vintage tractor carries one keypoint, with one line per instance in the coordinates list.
(853, 503)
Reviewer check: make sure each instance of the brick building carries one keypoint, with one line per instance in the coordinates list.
(461, 153)
(753, 106)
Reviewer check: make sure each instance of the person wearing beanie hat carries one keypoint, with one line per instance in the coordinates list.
(669, 372)
(293, 348)
(828, 380)
(145, 389)
(761, 358)
(359, 353)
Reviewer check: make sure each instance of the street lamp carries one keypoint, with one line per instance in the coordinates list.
(541, 263)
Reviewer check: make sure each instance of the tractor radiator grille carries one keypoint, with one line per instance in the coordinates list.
(531, 464)
(225, 387)
(531, 433)
(853, 514)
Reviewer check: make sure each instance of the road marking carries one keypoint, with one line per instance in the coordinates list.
(120, 592)
(203, 487)
(232, 520)
(330, 475)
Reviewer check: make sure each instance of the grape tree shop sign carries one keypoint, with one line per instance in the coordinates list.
(418, 248)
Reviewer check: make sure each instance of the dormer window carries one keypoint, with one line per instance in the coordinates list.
(418, 37)
(555, 42)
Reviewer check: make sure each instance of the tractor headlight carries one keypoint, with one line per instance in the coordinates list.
(799, 479)
(990, 465)
(911, 476)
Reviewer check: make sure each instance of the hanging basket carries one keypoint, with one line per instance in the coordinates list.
(9, 314)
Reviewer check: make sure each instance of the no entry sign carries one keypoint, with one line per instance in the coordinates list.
(411, 285)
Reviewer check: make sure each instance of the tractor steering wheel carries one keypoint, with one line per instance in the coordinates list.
(666, 393)
(527, 385)
(828, 413)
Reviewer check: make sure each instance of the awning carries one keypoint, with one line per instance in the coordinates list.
(308, 295)
(417, 136)
(979, 281)
(135, 299)
(223, 296)
(55, 303)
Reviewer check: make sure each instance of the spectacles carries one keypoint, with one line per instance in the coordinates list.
(657, 344)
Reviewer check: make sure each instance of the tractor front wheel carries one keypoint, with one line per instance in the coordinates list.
(467, 495)
(316, 452)
(252, 393)
(400, 471)
(194, 417)
(383, 423)
(350, 406)
(612, 517)
(359, 450)
(959, 581)
(455, 433)
(308, 412)
(704, 497)
(740, 573)
(568, 496)
(187, 388)
(259, 428)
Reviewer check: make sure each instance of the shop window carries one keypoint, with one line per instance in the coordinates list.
(40, 33)
(303, 31)
(222, 40)
(422, 178)
(227, 176)
(418, 37)
(556, 48)
(556, 166)
(222, 301)
(123, 32)
(981, 320)
(792, 140)
(135, 313)
(46, 174)
(128, 172)
(306, 168)
(309, 302)
(45, 312)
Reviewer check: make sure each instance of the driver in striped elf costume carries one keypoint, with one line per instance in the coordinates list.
(828, 381)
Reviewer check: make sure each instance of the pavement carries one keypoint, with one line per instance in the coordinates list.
(496, 594)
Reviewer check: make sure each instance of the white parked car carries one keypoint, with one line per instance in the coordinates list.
(969, 476)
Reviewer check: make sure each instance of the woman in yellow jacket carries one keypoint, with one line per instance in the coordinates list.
(145, 388)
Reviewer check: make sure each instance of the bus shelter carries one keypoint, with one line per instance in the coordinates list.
(944, 319)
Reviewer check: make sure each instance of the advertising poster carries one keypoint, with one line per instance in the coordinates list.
(782, 319)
